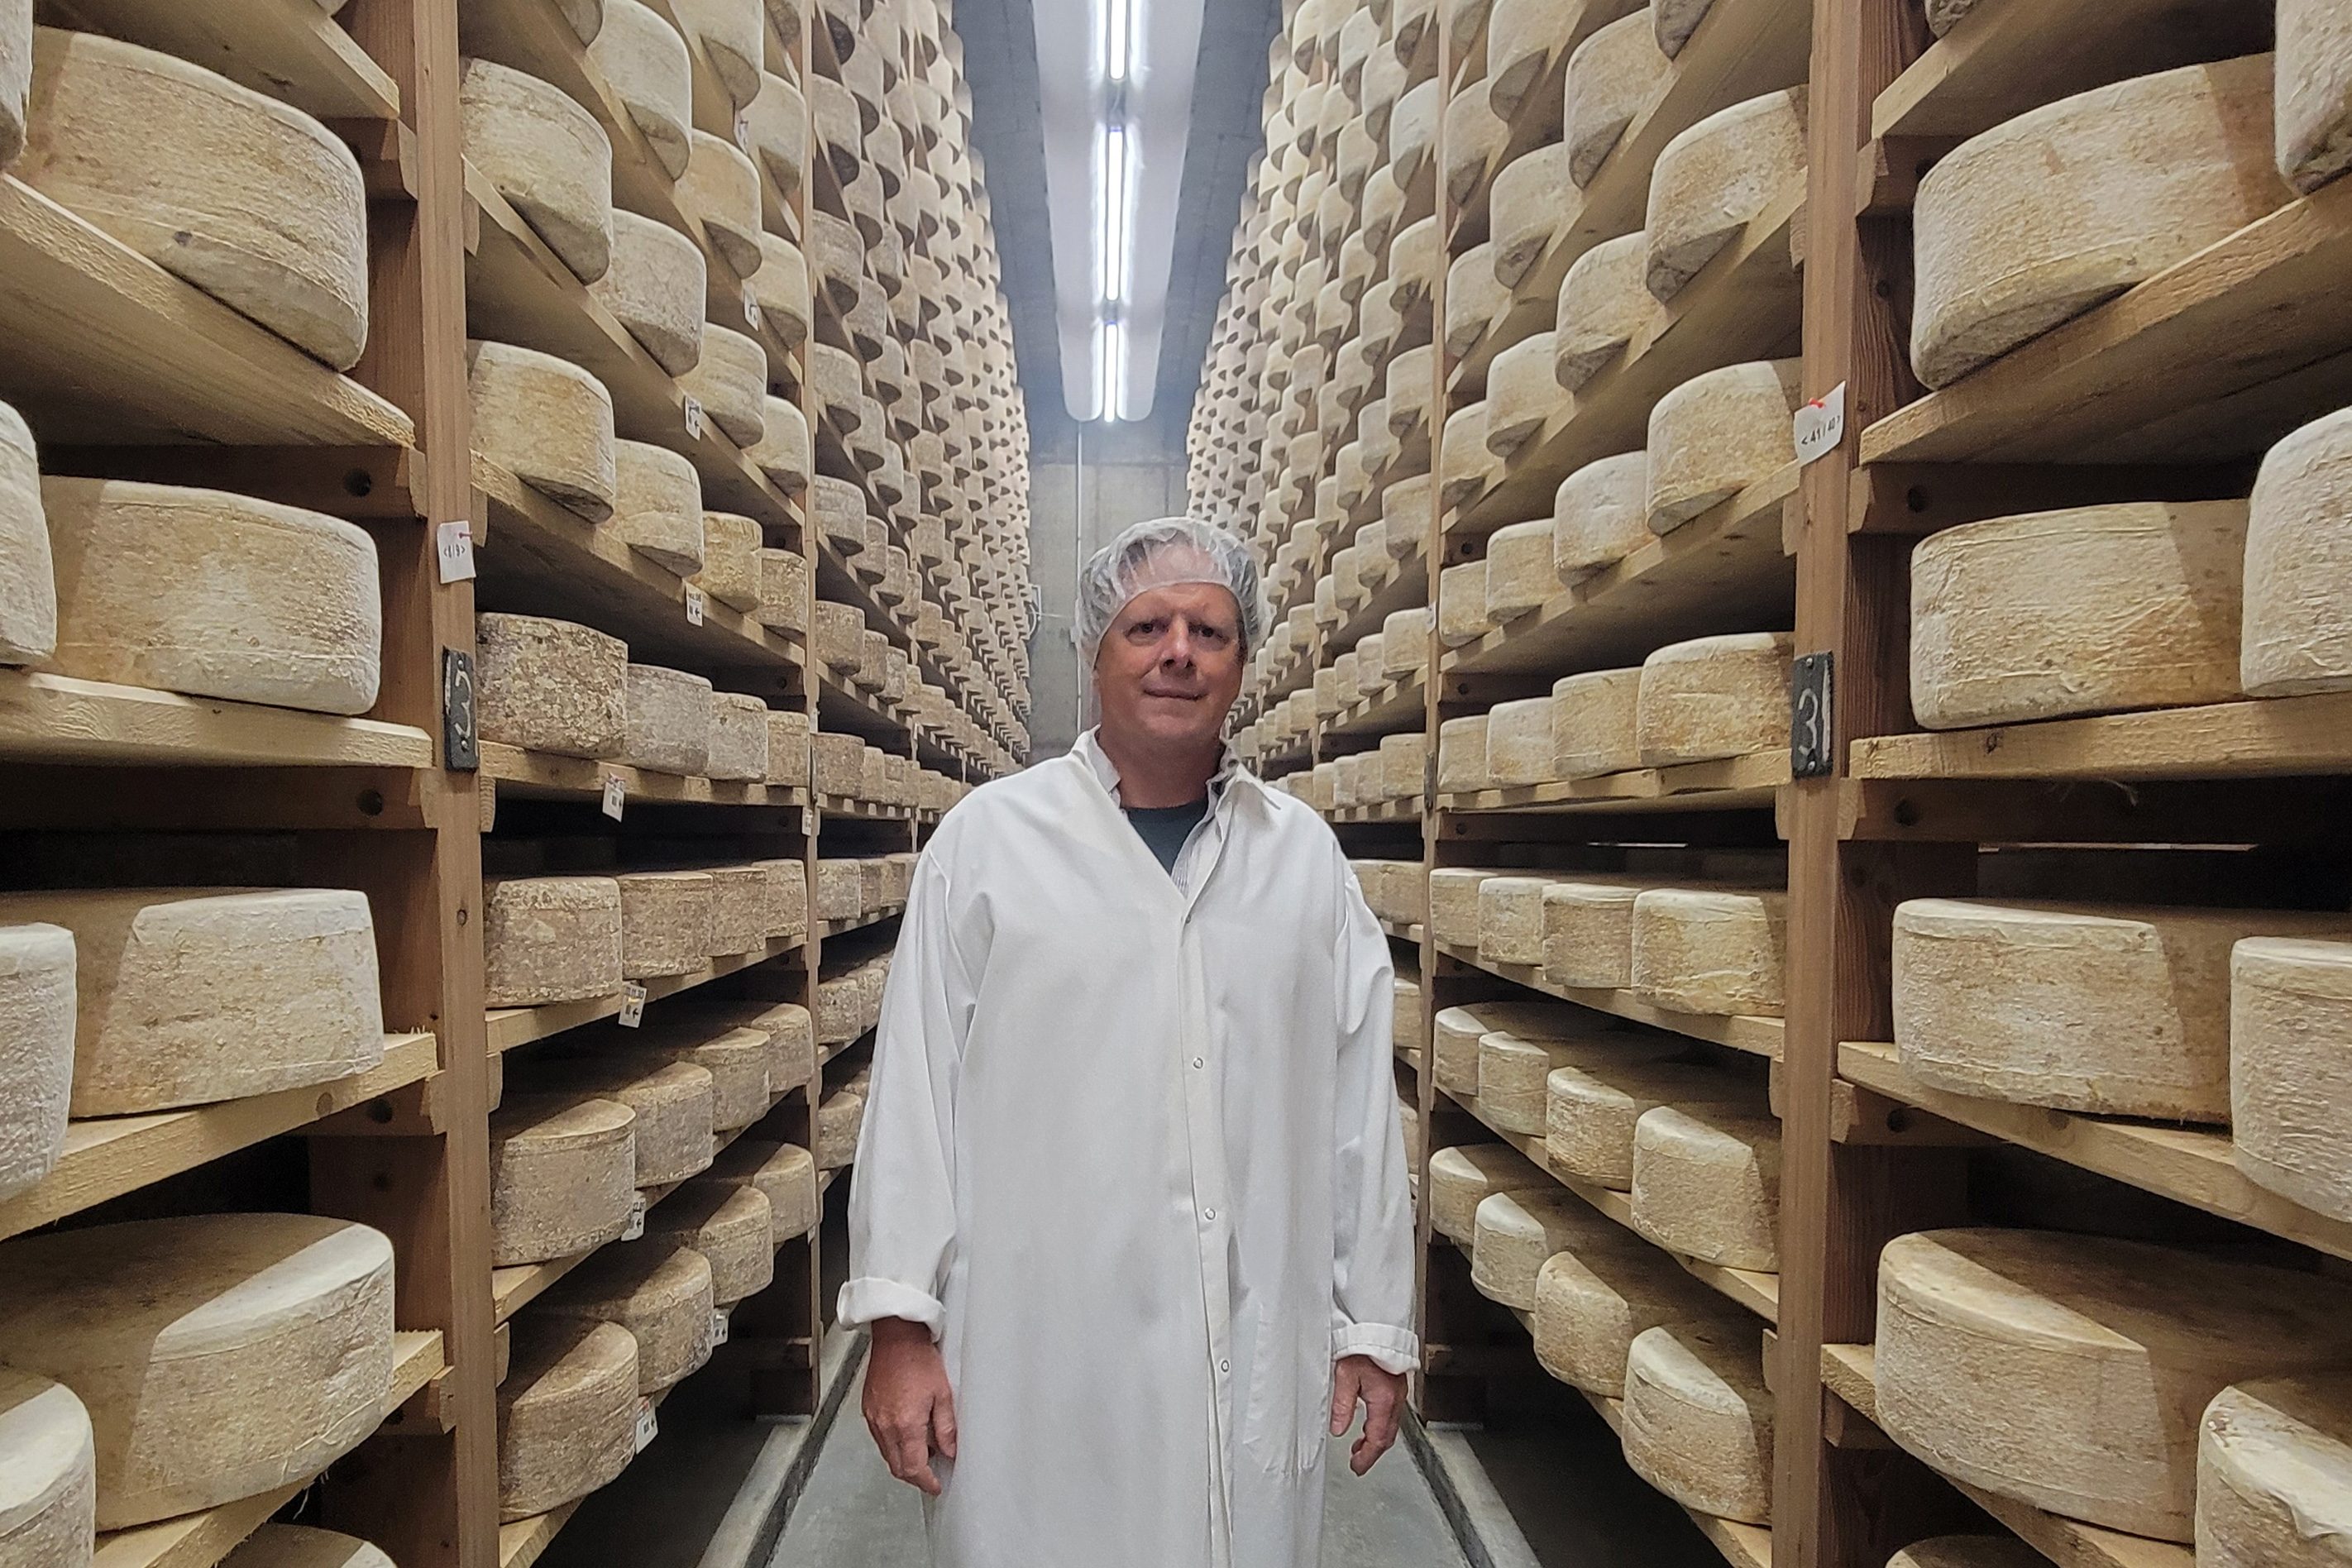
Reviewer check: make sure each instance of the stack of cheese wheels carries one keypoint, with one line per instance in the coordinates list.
(1590, 1110)
(784, 1173)
(28, 594)
(732, 1227)
(1718, 434)
(563, 1176)
(1968, 1552)
(550, 939)
(185, 995)
(300, 1546)
(1464, 1175)
(48, 1488)
(1717, 177)
(2092, 610)
(2290, 1013)
(2118, 1009)
(567, 1411)
(1606, 1289)
(37, 1049)
(1718, 951)
(1698, 1419)
(217, 1355)
(1514, 1233)
(1707, 1183)
(213, 594)
(546, 421)
(660, 1290)
(269, 214)
(547, 156)
(2041, 1366)
(549, 686)
(2037, 220)
(2297, 633)
(2314, 90)
(1599, 516)
(1714, 698)
(2275, 1472)
(1513, 1069)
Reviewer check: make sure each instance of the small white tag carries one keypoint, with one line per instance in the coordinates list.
(633, 1004)
(615, 793)
(751, 309)
(694, 606)
(454, 543)
(647, 1427)
(694, 418)
(636, 1225)
(718, 1329)
(743, 133)
(1821, 424)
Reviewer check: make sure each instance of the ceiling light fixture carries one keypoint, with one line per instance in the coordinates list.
(1117, 20)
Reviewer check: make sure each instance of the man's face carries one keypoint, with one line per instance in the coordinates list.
(1170, 665)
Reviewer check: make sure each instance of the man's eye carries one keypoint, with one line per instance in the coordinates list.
(1144, 629)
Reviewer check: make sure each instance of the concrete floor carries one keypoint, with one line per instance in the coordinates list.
(853, 1514)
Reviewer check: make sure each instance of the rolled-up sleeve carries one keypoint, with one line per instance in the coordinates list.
(1372, 1210)
(902, 1209)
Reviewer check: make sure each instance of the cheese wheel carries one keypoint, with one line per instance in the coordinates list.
(729, 33)
(1716, 178)
(784, 1173)
(214, 595)
(1404, 763)
(1514, 1233)
(1476, 300)
(2290, 1042)
(1612, 76)
(1974, 1325)
(15, 76)
(2092, 610)
(777, 121)
(731, 382)
(720, 191)
(265, 212)
(185, 996)
(1410, 1019)
(1943, 15)
(1599, 516)
(783, 591)
(1464, 1176)
(1718, 434)
(1462, 754)
(2118, 1009)
(781, 289)
(1589, 934)
(562, 1176)
(644, 64)
(548, 686)
(546, 421)
(657, 506)
(1591, 1111)
(1522, 572)
(741, 902)
(1514, 1070)
(1967, 1551)
(659, 1291)
(839, 890)
(1510, 919)
(1676, 20)
(1532, 201)
(1712, 951)
(1713, 697)
(653, 288)
(1593, 723)
(1454, 901)
(2297, 637)
(730, 560)
(1412, 132)
(1522, 395)
(739, 741)
(664, 922)
(731, 1226)
(2274, 1472)
(2038, 219)
(1707, 1183)
(783, 450)
(550, 939)
(838, 1118)
(668, 715)
(300, 1546)
(1595, 1298)
(1698, 1419)
(1604, 304)
(1405, 517)
(1473, 135)
(29, 597)
(48, 1485)
(567, 1411)
(787, 892)
(1467, 464)
(36, 1049)
(547, 156)
(1462, 604)
(1519, 752)
(217, 1355)
(1404, 642)
(2313, 88)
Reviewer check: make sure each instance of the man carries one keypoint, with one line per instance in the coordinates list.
(1130, 1216)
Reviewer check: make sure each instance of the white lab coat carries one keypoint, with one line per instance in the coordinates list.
(1131, 1150)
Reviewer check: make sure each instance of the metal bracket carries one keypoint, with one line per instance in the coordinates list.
(1813, 716)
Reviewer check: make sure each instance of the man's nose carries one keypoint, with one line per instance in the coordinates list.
(1177, 648)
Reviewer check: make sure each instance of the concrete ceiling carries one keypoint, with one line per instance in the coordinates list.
(1000, 62)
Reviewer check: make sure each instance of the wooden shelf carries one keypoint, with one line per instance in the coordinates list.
(1399, 706)
(842, 805)
(1411, 933)
(108, 1156)
(1407, 810)
(2192, 1165)
(525, 1540)
(848, 923)
(1724, 571)
(1751, 783)
(106, 347)
(2217, 357)
(1742, 1545)
(1757, 1037)
(290, 49)
(542, 775)
(513, 1027)
(60, 719)
(2274, 736)
(1406, 587)
(845, 708)
(202, 1539)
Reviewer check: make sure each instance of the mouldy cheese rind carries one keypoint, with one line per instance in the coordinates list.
(549, 686)
(1589, 933)
(730, 560)
(218, 1355)
(567, 1411)
(1717, 951)
(2291, 1069)
(1603, 305)
(1522, 569)
(1707, 1183)
(1612, 75)
(1715, 434)
(721, 190)
(214, 595)
(28, 594)
(732, 1227)
(2095, 609)
(655, 288)
(657, 506)
(546, 421)
(739, 738)
(1676, 20)
(664, 922)
(2038, 219)
(185, 997)
(2297, 634)
(644, 63)
(784, 1173)
(547, 156)
(550, 939)
(731, 380)
(777, 122)
(264, 210)
(1714, 698)
(1977, 1328)
(1595, 1298)
(1593, 728)
(1520, 748)
(48, 1488)
(36, 1044)
(1513, 1233)
(562, 1176)
(2274, 1475)
(1591, 1111)
(740, 900)
(1599, 516)
(668, 720)
(1714, 178)
(1698, 1419)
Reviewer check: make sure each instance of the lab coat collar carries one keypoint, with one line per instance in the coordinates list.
(1088, 750)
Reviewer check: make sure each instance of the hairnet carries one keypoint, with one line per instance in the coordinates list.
(1159, 555)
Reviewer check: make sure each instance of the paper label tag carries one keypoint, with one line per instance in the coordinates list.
(454, 544)
(694, 418)
(743, 133)
(1821, 424)
(751, 309)
(718, 1329)
(632, 1004)
(636, 1225)
(615, 794)
(695, 604)
(649, 1428)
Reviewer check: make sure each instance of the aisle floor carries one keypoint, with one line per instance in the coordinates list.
(854, 1515)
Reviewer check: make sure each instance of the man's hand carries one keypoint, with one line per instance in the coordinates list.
(1355, 1377)
(910, 1407)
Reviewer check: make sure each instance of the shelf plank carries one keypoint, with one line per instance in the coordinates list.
(1386, 811)
(513, 1027)
(845, 708)
(1734, 783)
(541, 775)
(526, 1541)
(1757, 1037)
(2216, 357)
(2187, 1164)
(292, 49)
(1724, 571)
(848, 923)
(1400, 705)
(61, 719)
(2273, 737)
(842, 805)
(106, 348)
(108, 1156)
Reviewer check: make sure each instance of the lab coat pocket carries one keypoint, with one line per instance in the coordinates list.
(1290, 1403)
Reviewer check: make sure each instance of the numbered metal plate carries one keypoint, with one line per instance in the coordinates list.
(460, 748)
(1812, 718)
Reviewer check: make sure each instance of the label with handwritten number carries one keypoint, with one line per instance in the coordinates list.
(615, 794)
(718, 1329)
(695, 605)
(694, 418)
(633, 1004)
(647, 1427)
(751, 309)
(1821, 424)
(636, 1225)
(454, 546)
